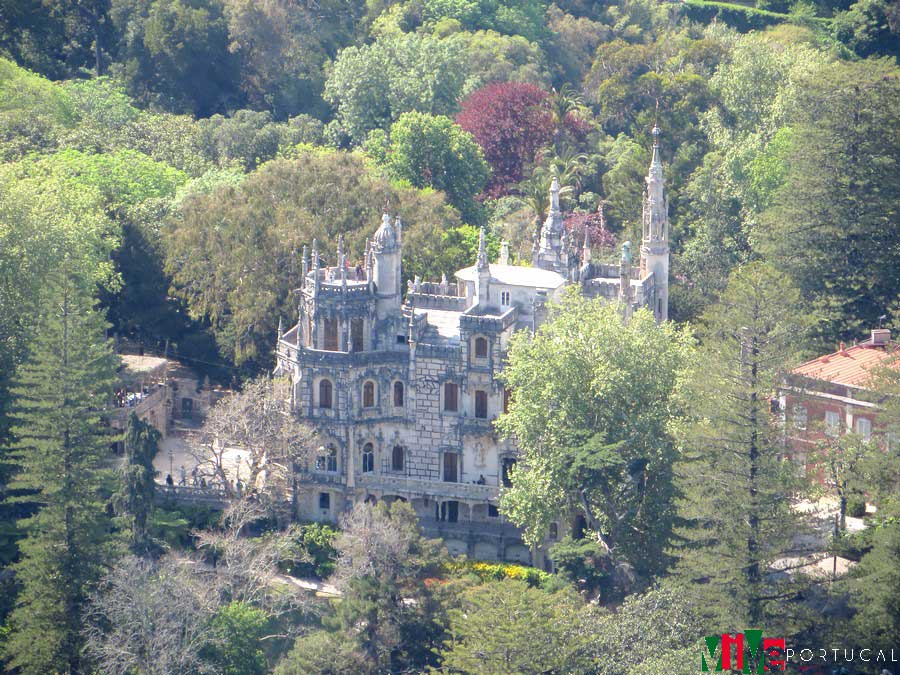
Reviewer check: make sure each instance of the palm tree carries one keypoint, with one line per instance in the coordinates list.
(560, 103)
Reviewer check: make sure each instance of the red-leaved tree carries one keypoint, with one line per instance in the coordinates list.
(511, 123)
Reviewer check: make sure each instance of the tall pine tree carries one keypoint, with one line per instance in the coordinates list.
(60, 451)
(736, 491)
(134, 501)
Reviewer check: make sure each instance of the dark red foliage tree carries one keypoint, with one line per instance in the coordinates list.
(510, 123)
(593, 222)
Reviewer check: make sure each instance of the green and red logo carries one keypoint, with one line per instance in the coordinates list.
(747, 652)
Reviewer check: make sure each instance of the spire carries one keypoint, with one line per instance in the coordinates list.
(340, 248)
(482, 261)
(552, 253)
(304, 263)
(398, 227)
(586, 249)
(554, 195)
(504, 253)
(315, 255)
(280, 332)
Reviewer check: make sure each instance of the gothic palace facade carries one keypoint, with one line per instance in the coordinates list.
(404, 391)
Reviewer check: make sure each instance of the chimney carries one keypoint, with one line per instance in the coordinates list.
(881, 337)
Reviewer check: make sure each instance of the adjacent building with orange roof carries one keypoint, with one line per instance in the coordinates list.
(834, 394)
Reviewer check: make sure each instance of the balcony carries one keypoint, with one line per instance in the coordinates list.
(415, 487)
(465, 528)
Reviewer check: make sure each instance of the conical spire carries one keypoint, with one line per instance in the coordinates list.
(482, 261)
(554, 195)
(280, 331)
(315, 254)
(340, 248)
(586, 249)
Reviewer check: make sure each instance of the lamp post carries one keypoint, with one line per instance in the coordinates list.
(171, 463)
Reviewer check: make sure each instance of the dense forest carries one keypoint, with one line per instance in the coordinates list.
(166, 162)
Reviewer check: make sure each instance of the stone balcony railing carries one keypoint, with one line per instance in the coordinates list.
(465, 528)
(118, 415)
(414, 487)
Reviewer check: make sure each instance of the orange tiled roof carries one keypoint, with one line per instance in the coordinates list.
(851, 366)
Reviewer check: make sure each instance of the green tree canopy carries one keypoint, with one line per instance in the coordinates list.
(591, 400)
(432, 151)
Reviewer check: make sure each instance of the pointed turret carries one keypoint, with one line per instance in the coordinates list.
(551, 253)
(504, 253)
(386, 266)
(585, 272)
(483, 280)
(655, 240)
(304, 263)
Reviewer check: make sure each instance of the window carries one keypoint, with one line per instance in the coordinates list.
(397, 458)
(481, 348)
(368, 458)
(331, 335)
(506, 397)
(832, 422)
(504, 298)
(401, 339)
(326, 459)
(451, 467)
(398, 394)
(481, 401)
(553, 533)
(800, 417)
(493, 511)
(356, 334)
(451, 397)
(369, 395)
(448, 511)
(864, 428)
(325, 394)
(324, 501)
(506, 466)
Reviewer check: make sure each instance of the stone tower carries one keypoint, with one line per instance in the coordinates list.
(655, 240)
(385, 252)
(552, 254)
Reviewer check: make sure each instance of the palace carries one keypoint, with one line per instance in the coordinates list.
(404, 391)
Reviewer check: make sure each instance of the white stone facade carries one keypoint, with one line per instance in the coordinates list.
(404, 393)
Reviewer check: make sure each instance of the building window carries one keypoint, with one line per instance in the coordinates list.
(553, 533)
(401, 339)
(481, 348)
(398, 394)
(832, 422)
(504, 298)
(324, 501)
(369, 394)
(800, 417)
(493, 511)
(481, 404)
(451, 397)
(451, 467)
(356, 334)
(326, 460)
(506, 466)
(448, 511)
(368, 458)
(331, 334)
(397, 458)
(507, 394)
(326, 394)
(864, 428)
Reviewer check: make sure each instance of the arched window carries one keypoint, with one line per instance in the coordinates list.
(326, 394)
(398, 394)
(369, 394)
(451, 395)
(553, 534)
(356, 334)
(397, 458)
(481, 348)
(481, 404)
(368, 458)
(507, 395)
(326, 459)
